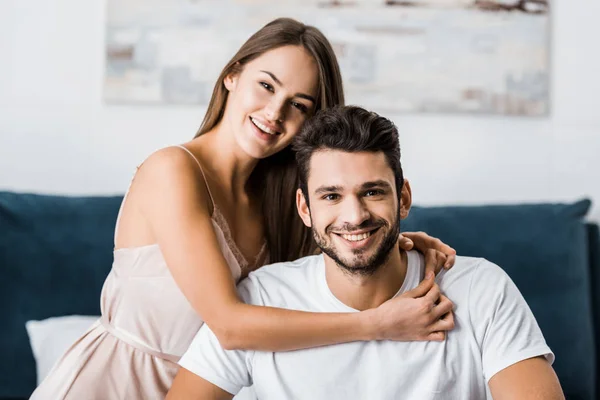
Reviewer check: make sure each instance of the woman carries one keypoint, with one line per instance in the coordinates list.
(199, 217)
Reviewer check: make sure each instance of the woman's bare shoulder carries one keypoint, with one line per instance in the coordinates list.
(169, 160)
(172, 174)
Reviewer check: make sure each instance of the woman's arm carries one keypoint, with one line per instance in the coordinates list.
(173, 198)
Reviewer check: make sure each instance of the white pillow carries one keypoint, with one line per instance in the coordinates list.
(51, 337)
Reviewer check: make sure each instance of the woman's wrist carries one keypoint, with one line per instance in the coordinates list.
(369, 320)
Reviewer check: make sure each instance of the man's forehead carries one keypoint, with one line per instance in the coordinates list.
(348, 169)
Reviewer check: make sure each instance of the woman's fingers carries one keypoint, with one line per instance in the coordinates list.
(442, 308)
(434, 261)
(423, 242)
(422, 289)
(443, 324)
(439, 336)
(405, 243)
(450, 260)
(433, 296)
(443, 320)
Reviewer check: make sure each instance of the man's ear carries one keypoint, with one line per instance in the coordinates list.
(405, 199)
(303, 209)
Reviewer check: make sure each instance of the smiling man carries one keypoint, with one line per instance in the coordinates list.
(353, 196)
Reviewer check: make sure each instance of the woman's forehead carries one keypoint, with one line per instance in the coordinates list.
(293, 66)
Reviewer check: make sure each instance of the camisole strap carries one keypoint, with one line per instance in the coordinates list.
(121, 208)
(201, 170)
(131, 182)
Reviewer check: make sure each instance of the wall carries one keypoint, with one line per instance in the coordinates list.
(56, 136)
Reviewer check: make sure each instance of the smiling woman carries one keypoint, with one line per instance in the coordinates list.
(260, 106)
(199, 217)
(297, 87)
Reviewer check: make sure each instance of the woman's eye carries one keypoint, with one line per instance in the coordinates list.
(266, 86)
(300, 107)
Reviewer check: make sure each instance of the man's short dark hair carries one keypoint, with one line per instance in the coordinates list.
(351, 129)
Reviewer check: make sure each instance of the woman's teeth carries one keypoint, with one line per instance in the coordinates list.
(263, 127)
(356, 238)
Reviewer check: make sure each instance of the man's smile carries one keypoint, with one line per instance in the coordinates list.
(358, 239)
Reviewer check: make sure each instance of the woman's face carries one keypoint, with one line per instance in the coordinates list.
(270, 99)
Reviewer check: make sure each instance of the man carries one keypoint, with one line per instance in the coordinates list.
(353, 195)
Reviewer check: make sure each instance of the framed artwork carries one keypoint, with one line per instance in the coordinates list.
(429, 56)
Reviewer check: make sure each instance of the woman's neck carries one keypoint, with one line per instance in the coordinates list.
(224, 160)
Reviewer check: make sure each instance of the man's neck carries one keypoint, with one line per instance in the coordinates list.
(364, 292)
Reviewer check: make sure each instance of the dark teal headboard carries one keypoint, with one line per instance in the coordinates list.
(594, 253)
(545, 249)
(55, 253)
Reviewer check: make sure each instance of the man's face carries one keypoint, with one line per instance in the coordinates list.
(354, 212)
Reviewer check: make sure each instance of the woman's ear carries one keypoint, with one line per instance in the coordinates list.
(405, 199)
(303, 209)
(231, 79)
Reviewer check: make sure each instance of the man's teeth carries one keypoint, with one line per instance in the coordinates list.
(263, 127)
(356, 238)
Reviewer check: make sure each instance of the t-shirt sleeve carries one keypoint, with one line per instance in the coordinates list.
(505, 326)
(231, 370)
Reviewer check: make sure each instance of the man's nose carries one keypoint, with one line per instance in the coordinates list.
(355, 212)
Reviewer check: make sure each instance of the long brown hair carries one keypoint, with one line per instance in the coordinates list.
(275, 178)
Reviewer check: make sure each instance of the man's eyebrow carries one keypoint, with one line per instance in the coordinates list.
(373, 184)
(328, 189)
(301, 95)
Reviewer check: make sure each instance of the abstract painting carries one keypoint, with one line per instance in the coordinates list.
(420, 56)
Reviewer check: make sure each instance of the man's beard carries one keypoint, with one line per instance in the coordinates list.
(380, 256)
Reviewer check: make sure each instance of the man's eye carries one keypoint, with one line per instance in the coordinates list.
(331, 197)
(266, 86)
(370, 193)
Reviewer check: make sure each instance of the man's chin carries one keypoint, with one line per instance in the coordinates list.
(358, 269)
(353, 258)
(356, 263)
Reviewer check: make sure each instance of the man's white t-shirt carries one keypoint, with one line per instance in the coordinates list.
(494, 329)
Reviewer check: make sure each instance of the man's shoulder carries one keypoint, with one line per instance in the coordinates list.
(287, 268)
(471, 270)
(285, 277)
(466, 264)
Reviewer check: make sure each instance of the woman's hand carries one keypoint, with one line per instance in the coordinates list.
(419, 314)
(437, 254)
